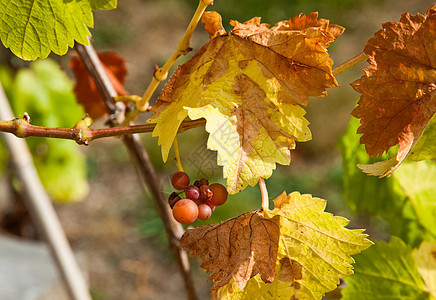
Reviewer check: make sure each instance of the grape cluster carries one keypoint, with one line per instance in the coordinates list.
(199, 201)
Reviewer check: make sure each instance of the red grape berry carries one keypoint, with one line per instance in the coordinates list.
(180, 180)
(185, 211)
(204, 181)
(205, 192)
(204, 212)
(173, 198)
(219, 194)
(192, 192)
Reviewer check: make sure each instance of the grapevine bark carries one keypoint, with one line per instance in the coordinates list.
(143, 163)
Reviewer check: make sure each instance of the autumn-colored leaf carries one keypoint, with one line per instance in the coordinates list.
(213, 23)
(86, 91)
(280, 288)
(316, 243)
(398, 89)
(425, 259)
(249, 86)
(296, 250)
(238, 248)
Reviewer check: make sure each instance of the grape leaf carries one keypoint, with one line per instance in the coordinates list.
(34, 28)
(425, 147)
(425, 258)
(417, 179)
(281, 287)
(386, 271)
(315, 242)
(238, 248)
(249, 86)
(404, 199)
(103, 4)
(86, 90)
(310, 250)
(398, 89)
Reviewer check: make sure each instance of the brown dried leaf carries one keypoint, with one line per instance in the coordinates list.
(398, 89)
(213, 23)
(238, 248)
(86, 90)
(303, 41)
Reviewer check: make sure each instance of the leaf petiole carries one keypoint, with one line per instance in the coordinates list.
(264, 194)
(177, 155)
(349, 63)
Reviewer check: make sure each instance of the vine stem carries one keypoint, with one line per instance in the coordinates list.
(177, 155)
(264, 194)
(81, 133)
(182, 48)
(349, 63)
(143, 164)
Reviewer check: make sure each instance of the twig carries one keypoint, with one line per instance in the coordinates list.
(183, 47)
(349, 63)
(177, 155)
(264, 194)
(142, 162)
(82, 134)
(42, 211)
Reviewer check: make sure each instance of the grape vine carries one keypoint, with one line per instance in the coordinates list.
(249, 87)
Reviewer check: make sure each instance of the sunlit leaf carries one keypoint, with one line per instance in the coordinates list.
(34, 28)
(398, 89)
(297, 250)
(249, 86)
(238, 248)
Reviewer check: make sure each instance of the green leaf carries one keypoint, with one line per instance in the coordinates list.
(386, 271)
(425, 147)
(385, 197)
(425, 258)
(103, 4)
(34, 28)
(418, 181)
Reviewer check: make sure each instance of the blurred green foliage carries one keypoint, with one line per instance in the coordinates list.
(386, 271)
(403, 200)
(45, 93)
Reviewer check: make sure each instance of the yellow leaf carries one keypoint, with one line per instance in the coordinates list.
(316, 242)
(282, 287)
(425, 258)
(249, 87)
(296, 251)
